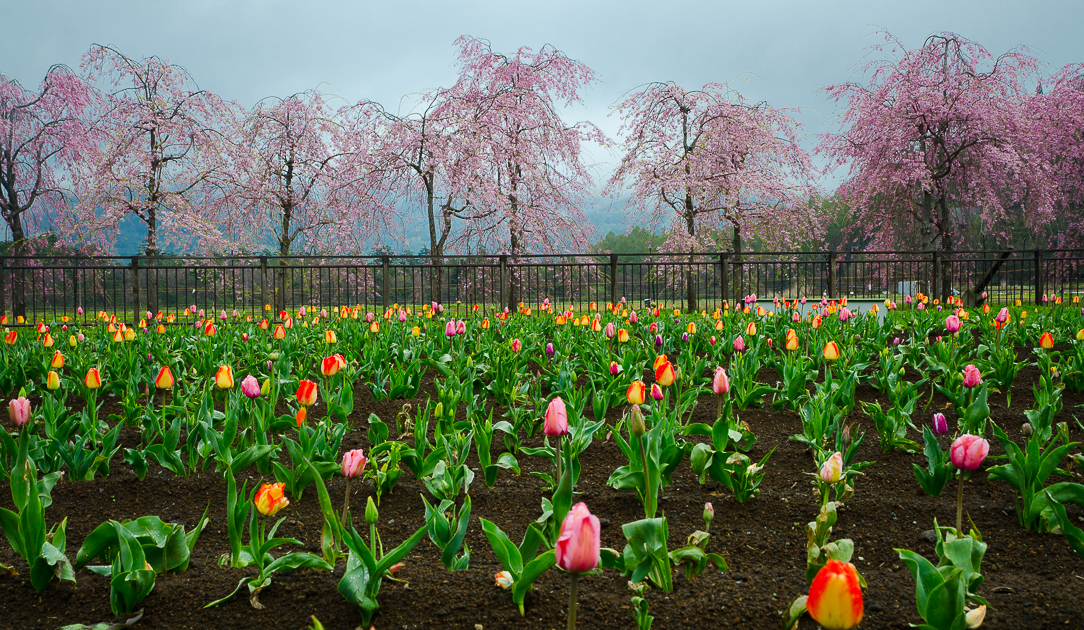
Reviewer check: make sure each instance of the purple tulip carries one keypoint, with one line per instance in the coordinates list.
(939, 424)
(549, 350)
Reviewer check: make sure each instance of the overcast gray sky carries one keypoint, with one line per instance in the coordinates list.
(783, 51)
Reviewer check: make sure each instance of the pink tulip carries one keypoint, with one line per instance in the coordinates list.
(1002, 315)
(972, 377)
(615, 369)
(578, 545)
(632, 317)
(739, 344)
(952, 324)
(354, 463)
(656, 391)
(921, 306)
(250, 387)
(402, 315)
(449, 328)
(610, 331)
(516, 345)
(968, 451)
(461, 327)
(369, 317)
(907, 300)
(796, 317)
(79, 311)
(222, 315)
(19, 410)
(720, 384)
(556, 422)
(323, 313)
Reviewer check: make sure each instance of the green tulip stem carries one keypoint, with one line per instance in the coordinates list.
(346, 502)
(960, 504)
(557, 482)
(649, 491)
(575, 578)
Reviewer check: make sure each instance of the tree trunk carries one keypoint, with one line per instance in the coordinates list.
(18, 284)
(739, 277)
(151, 254)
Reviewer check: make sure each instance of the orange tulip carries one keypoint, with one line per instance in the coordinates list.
(719, 325)
(329, 337)
(691, 328)
(224, 377)
(306, 393)
(636, 393)
(161, 329)
(301, 413)
(93, 379)
(664, 374)
(659, 360)
(58, 360)
(831, 351)
(1046, 341)
(271, 498)
(751, 329)
(52, 381)
(792, 342)
(264, 324)
(209, 329)
(835, 597)
(280, 333)
(11, 337)
(165, 378)
(622, 336)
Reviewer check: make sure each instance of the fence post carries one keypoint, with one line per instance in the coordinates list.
(135, 289)
(263, 283)
(724, 275)
(935, 274)
(504, 283)
(386, 262)
(3, 282)
(1040, 289)
(613, 279)
(832, 275)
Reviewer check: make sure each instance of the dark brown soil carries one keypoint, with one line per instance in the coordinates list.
(1032, 580)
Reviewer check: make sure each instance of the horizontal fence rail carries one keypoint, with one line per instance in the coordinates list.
(44, 288)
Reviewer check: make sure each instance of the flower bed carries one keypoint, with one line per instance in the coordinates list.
(1030, 576)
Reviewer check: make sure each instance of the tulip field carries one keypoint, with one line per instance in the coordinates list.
(772, 464)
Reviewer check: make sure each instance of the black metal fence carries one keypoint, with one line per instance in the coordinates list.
(51, 287)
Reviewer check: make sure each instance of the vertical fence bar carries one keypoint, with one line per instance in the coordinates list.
(832, 275)
(3, 283)
(386, 262)
(1040, 289)
(935, 278)
(613, 278)
(502, 298)
(135, 289)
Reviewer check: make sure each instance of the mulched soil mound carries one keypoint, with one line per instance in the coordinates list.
(1031, 580)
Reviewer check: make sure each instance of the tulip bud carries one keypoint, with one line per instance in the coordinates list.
(265, 388)
(52, 381)
(371, 515)
(832, 468)
(1027, 430)
(438, 411)
(637, 426)
(972, 376)
(709, 514)
(846, 437)
(975, 617)
(19, 411)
